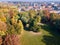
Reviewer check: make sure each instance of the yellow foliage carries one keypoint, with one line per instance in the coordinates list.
(3, 19)
(5, 10)
(13, 20)
(20, 24)
(32, 13)
(2, 33)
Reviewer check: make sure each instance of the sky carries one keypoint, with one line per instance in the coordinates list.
(30, 0)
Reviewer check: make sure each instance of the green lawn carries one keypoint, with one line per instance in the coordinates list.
(47, 37)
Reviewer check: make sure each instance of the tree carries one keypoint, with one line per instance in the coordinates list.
(3, 28)
(40, 12)
(18, 27)
(54, 16)
(13, 12)
(15, 28)
(57, 24)
(2, 18)
(11, 40)
(55, 21)
(35, 24)
(32, 13)
(24, 17)
(47, 14)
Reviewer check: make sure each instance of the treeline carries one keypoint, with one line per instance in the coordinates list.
(34, 19)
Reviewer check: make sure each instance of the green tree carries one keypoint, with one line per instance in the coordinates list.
(24, 17)
(35, 24)
(57, 24)
(55, 21)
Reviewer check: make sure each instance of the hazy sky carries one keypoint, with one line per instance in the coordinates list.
(30, 0)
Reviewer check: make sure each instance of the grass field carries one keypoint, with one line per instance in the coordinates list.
(47, 37)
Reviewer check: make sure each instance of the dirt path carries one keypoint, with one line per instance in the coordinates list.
(34, 33)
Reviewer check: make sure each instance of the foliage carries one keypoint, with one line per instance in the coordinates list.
(56, 24)
(15, 28)
(13, 12)
(44, 19)
(14, 24)
(2, 18)
(1, 40)
(12, 21)
(18, 27)
(2, 33)
(11, 40)
(3, 28)
(55, 21)
(40, 12)
(35, 24)
(24, 17)
(10, 25)
(54, 16)
(32, 13)
(35, 28)
(47, 14)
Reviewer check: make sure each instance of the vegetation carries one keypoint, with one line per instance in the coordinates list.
(11, 40)
(35, 24)
(47, 37)
(1, 40)
(10, 26)
(43, 27)
(55, 21)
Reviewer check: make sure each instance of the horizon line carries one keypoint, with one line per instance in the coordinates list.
(28, 1)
